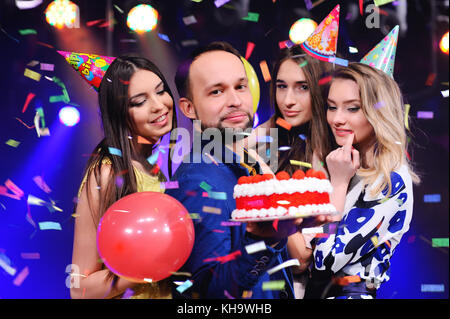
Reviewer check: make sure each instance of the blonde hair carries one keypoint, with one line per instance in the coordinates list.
(382, 105)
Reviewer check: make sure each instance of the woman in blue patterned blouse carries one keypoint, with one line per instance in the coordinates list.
(372, 184)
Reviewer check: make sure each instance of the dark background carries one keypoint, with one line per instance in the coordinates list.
(60, 158)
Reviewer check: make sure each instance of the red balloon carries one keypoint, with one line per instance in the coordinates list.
(145, 235)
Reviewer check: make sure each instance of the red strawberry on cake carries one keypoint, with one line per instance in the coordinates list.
(269, 197)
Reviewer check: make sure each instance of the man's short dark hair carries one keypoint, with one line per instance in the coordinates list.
(182, 75)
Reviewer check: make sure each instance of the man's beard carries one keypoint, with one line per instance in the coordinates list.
(235, 131)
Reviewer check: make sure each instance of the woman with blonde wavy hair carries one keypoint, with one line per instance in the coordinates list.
(372, 184)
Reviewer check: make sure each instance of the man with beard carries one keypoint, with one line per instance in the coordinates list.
(213, 89)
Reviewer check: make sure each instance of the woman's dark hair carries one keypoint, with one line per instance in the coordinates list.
(118, 133)
(315, 131)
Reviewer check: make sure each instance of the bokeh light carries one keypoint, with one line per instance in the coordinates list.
(69, 116)
(443, 45)
(142, 18)
(301, 30)
(61, 13)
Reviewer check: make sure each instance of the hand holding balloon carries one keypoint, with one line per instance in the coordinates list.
(145, 236)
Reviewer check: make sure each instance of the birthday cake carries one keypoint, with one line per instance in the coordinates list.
(268, 197)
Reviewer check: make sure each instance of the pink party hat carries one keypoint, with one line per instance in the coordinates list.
(382, 56)
(322, 43)
(90, 66)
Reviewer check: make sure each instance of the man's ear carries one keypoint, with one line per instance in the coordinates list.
(187, 107)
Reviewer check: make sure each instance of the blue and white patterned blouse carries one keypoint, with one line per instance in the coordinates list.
(369, 231)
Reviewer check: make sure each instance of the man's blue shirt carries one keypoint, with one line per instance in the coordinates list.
(219, 278)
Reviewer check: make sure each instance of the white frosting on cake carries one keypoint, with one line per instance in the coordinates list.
(290, 186)
(301, 211)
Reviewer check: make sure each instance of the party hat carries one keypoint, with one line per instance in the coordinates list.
(382, 56)
(322, 43)
(90, 66)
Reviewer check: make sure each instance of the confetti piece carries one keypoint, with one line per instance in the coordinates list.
(45, 44)
(153, 158)
(49, 226)
(300, 163)
(5, 264)
(94, 22)
(184, 286)
(432, 198)
(374, 240)
(284, 148)
(425, 114)
(361, 4)
(164, 37)
(217, 195)
(352, 50)
(288, 263)
(253, 248)
(325, 80)
(14, 188)
(226, 258)
(283, 123)
(430, 79)
(169, 185)
(317, 3)
(275, 224)
(273, 285)
(432, 288)
(47, 67)
(219, 3)
(9, 36)
(382, 2)
(27, 31)
(187, 43)
(30, 96)
(27, 4)
(303, 64)
(118, 8)
(407, 108)
(252, 16)
(344, 281)
(264, 139)
(115, 151)
(181, 273)
(265, 70)
(444, 93)
(194, 216)
(189, 20)
(12, 143)
(249, 50)
(213, 210)
(226, 224)
(308, 4)
(338, 61)
(30, 255)
(21, 276)
(58, 98)
(439, 242)
(228, 295)
(32, 75)
(205, 186)
(378, 105)
(41, 184)
(128, 293)
(312, 230)
(212, 159)
(246, 294)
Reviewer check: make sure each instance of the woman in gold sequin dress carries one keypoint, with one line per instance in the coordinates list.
(136, 105)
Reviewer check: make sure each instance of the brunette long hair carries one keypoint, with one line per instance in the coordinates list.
(315, 131)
